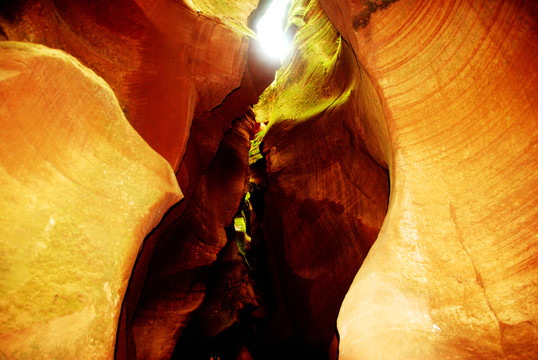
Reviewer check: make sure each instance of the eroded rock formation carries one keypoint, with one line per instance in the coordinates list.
(80, 191)
(326, 195)
(438, 97)
(176, 283)
(453, 272)
(166, 62)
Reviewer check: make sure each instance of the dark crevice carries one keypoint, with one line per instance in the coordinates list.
(11, 9)
(368, 7)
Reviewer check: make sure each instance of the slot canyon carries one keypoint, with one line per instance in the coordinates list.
(171, 191)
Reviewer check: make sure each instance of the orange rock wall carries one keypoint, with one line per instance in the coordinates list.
(440, 94)
(453, 273)
(166, 63)
(80, 191)
(169, 64)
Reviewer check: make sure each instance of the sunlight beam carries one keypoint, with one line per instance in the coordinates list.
(270, 30)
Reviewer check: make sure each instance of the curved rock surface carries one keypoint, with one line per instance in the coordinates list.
(80, 191)
(166, 62)
(176, 281)
(439, 96)
(170, 64)
(326, 195)
(211, 133)
(453, 272)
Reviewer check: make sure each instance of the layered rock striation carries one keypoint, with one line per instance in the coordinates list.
(326, 194)
(80, 191)
(453, 272)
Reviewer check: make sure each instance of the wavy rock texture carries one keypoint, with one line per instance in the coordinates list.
(326, 197)
(211, 134)
(166, 62)
(170, 64)
(454, 271)
(440, 94)
(176, 282)
(80, 191)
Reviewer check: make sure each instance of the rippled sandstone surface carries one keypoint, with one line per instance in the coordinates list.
(80, 191)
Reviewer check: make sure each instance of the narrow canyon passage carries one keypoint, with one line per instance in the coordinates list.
(171, 191)
(336, 199)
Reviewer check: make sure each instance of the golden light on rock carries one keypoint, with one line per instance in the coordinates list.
(383, 187)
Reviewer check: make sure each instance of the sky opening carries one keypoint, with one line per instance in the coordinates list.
(270, 30)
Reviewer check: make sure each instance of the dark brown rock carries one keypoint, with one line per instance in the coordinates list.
(176, 281)
(326, 196)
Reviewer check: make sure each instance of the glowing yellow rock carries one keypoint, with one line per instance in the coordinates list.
(80, 190)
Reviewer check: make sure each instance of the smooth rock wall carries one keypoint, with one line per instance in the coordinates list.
(453, 273)
(80, 191)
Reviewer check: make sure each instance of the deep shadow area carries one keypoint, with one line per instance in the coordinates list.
(10, 9)
(243, 284)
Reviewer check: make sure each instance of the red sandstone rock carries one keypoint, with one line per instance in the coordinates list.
(453, 273)
(327, 196)
(207, 134)
(166, 62)
(80, 191)
(176, 281)
(444, 95)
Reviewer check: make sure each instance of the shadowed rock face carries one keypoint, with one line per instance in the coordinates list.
(166, 63)
(326, 196)
(213, 185)
(440, 97)
(176, 282)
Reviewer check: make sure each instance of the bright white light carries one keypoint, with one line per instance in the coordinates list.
(270, 31)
